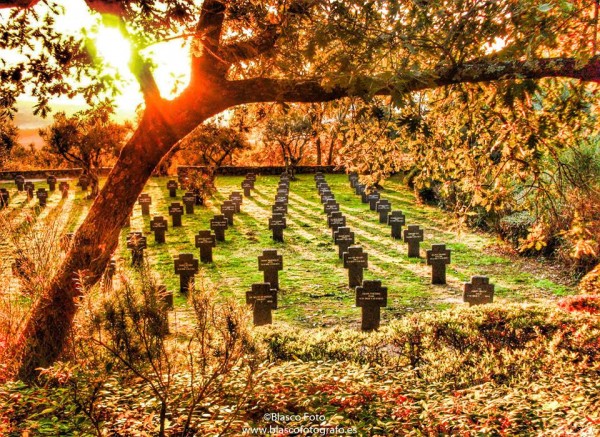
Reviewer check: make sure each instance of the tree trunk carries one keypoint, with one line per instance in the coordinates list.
(94, 184)
(318, 147)
(48, 326)
(330, 155)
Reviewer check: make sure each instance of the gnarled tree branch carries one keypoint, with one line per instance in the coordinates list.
(314, 90)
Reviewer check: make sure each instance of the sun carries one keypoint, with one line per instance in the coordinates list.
(171, 61)
(114, 48)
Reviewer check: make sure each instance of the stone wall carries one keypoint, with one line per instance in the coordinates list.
(60, 173)
(265, 170)
(72, 173)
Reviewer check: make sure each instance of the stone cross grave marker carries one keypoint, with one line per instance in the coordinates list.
(189, 200)
(4, 197)
(172, 186)
(438, 257)
(236, 197)
(281, 198)
(251, 177)
(277, 224)
(355, 260)
(42, 196)
(370, 297)
(331, 206)
(413, 236)
(51, 180)
(364, 195)
(219, 225)
(319, 175)
(176, 211)
(64, 189)
(205, 241)
(396, 220)
(359, 189)
(228, 210)
(270, 263)
(84, 182)
(373, 198)
(20, 181)
(326, 196)
(247, 186)
(336, 220)
(263, 299)
(284, 177)
(136, 242)
(145, 200)
(343, 238)
(186, 266)
(479, 291)
(159, 225)
(283, 191)
(280, 208)
(353, 178)
(29, 188)
(383, 207)
(323, 188)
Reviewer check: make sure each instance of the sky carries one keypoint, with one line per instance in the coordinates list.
(171, 60)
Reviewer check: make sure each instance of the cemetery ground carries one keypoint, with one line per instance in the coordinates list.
(313, 282)
(522, 366)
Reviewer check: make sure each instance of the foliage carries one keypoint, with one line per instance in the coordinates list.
(290, 129)
(590, 283)
(31, 157)
(212, 146)
(88, 139)
(9, 133)
(200, 183)
(182, 370)
(589, 304)
(495, 370)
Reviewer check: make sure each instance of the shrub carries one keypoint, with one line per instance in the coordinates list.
(515, 227)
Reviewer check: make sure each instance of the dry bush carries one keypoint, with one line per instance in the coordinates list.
(35, 248)
(174, 371)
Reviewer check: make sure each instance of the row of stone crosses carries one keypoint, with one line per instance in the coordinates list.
(41, 193)
(186, 266)
(370, 295)
(263, 296)
(476, 292)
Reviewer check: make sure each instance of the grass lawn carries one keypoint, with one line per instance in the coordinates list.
(313, 283)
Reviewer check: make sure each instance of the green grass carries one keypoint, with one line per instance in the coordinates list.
(313, 282)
